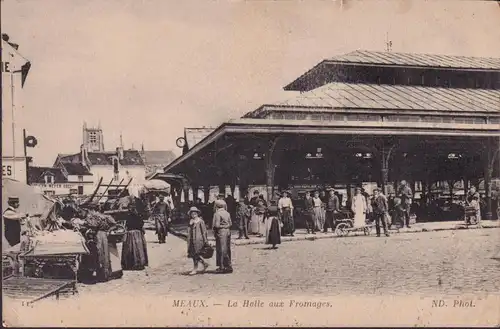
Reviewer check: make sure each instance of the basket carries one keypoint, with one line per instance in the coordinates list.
(207, 252)
(470, 211)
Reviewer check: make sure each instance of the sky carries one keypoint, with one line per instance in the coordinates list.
(147, 69)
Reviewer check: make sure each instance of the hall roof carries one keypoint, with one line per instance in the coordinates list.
(398, 60)
(357, 96)
(420, 60)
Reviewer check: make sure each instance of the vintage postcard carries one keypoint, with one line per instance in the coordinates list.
(250, 163)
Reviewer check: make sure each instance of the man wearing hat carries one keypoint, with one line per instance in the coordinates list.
(242, 216)
(380, 211)
(13, 221)
(285, 207)
(332, 208)
(222, 231)
(405, 193)
(220, 197)
(309, 213)
(161, 216)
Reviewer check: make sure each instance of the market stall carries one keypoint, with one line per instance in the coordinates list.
(46, 261)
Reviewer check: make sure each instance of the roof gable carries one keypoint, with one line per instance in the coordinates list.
(37, 174)
(195, 135)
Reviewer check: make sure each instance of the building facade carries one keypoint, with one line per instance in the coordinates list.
(64, 180)
(15, 69)
(118, 166)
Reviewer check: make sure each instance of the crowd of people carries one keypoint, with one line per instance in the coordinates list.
(321, 210)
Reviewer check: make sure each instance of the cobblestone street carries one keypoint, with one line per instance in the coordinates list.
(446, 263)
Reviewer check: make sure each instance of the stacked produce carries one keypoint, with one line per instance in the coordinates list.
(98, 221)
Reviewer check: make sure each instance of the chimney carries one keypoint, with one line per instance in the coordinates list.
(119, 152)
(83, 155)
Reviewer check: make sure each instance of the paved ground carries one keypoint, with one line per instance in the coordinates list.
(301, 234)
(444, 262)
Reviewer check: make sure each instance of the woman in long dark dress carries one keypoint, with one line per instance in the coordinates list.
(95, 228)
(273, 228)
(134, 250)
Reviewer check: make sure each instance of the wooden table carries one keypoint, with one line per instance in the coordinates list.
(31, 290)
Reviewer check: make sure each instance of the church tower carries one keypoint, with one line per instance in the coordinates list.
(93, 140)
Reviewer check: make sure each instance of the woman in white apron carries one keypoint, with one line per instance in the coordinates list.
(358, 207)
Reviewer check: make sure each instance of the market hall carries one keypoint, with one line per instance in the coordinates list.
(361, 117)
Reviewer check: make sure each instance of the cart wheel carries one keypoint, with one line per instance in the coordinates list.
(366, 230)
(341, 229)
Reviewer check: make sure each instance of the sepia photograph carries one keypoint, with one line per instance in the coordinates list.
(250, 163)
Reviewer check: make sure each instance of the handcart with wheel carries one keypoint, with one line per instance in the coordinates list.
(345, 225)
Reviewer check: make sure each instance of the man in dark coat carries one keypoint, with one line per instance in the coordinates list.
(406, 195)
(380, 211)
(242, 216)
(254, 201)
(13, 221)
(309, 213)
(222, 231)
(332, 208)
(161, 216)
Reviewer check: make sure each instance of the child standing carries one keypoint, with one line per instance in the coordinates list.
(197, 239)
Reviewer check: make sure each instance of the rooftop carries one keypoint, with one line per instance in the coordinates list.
(130, 158)
(195, 135)
(331, 68)
(158, 157)
(394, 97)
(36, 175)
(77, 169)
(420, 60)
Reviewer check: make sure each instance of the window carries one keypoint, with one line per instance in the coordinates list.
(49, 193)
(495, 120)
(49, 179)
(80, 178)
(402, 118)
(363, 117)
(92, 137)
